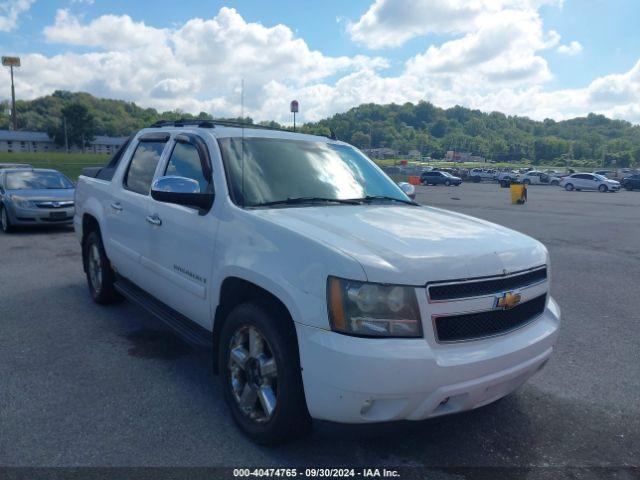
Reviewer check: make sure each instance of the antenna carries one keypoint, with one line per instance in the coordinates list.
(242, 141)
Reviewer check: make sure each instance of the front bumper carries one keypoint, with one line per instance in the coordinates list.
(360, 380)
(41, 216)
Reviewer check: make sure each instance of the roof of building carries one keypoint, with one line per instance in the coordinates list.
(25, 136)
(22, 136)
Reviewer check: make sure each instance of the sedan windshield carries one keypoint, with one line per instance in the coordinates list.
(269, 171)
(33, 180)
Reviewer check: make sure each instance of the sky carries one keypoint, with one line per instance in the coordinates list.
(540, 58)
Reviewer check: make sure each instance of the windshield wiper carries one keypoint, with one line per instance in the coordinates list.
(303, 200)
(373, 198)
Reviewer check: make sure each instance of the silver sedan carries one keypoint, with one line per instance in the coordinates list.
(35, 196)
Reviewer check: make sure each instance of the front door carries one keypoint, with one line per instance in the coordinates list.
(182, 242)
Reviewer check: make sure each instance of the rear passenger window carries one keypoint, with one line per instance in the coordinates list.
(185, 162)
(142, 167)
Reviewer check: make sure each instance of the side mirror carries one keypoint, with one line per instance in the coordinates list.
(181, 191)
(408, 189)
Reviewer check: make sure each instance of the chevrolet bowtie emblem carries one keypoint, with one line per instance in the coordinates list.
(508, 301)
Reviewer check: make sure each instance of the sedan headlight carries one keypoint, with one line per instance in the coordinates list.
(372, 309)
(21, 202)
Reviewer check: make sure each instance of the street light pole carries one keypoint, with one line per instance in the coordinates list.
(12, 62)
(14, 118)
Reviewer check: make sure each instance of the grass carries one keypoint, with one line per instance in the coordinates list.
(71, 164)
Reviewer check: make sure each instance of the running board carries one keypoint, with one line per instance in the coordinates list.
(184, 327)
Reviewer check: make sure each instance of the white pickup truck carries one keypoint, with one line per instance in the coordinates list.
(324, 290)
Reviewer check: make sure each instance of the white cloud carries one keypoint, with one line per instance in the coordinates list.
(390, 23)
(10, 10)
(572, 48)
(494, 62)
(107, 31)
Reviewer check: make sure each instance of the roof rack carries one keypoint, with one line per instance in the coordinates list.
(183, 122)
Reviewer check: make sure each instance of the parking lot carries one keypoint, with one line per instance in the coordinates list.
(84, 385)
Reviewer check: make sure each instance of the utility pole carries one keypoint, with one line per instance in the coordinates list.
(66, 137)
(12, 62)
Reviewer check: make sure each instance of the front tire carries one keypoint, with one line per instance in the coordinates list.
(526, 181)
(447, 183)
(5, 221)
(603, 188)
(260, 374)
(569, 187)
(100, 275)
(555, 184)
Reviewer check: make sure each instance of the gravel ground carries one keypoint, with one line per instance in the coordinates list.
(84, 385)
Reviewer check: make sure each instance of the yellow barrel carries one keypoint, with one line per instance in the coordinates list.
(518, 193)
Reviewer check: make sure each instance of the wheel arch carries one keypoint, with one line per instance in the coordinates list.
(235, 291)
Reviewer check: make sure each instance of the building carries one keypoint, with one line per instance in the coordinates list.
(383, 152)
(22, 141)
(454, 156)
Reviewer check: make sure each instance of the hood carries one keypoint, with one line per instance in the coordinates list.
(413, 245)
(44, 194)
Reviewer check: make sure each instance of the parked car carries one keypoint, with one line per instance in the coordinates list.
(507, 175)
(538, 178)
(589, 181)
(439, 178)
(35, 197)
(4, 166)
(631, 182)
(605, 173)
(324, 291)
(478, 174)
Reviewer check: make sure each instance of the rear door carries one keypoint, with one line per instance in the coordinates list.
(182, 241)
(128, 209)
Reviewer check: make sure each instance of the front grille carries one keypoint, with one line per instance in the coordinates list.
(467, 289)
(469, 326)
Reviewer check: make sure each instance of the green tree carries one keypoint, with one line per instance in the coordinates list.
(80, 126)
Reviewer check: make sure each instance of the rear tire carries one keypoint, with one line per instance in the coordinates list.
(569, 187)
(526, 181)
(100, 276)
(263, 385)
(603, 188)
(5, 221)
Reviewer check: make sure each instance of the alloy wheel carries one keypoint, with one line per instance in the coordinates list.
(95, 268)
(253, 374)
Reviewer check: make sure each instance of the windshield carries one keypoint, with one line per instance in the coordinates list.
(30, 180)
(277, 170)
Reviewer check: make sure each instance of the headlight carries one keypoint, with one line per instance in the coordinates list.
(21, 202)
(372, 309)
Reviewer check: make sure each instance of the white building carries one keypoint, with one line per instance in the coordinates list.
(21, 141)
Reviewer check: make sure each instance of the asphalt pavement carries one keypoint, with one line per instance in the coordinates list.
(86, 385)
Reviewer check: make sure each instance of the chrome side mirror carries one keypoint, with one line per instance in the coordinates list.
(408, 189)
(181, 191)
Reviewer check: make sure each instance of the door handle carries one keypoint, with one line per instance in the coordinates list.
(154, 220)
(116, 206)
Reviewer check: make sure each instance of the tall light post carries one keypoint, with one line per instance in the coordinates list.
(12, 62)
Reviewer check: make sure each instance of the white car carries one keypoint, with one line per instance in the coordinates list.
(323, 290)
(589, 181)
(478, 174)
(538, 178)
